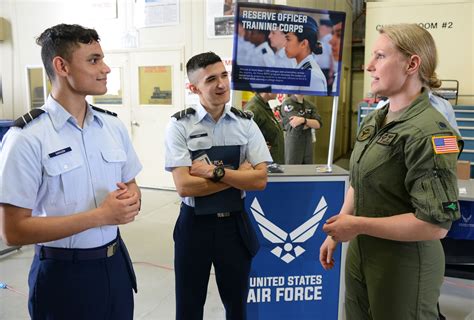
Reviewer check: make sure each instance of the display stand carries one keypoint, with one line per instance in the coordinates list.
(287, 280)
(459, 243)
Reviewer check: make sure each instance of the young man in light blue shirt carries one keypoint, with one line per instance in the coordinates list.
(214, 152)
(67, 179)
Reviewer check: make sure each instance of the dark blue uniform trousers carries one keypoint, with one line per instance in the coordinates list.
(202, 241)
(89, 289)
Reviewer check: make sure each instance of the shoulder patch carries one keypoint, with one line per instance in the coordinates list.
(450, 207)
(445, 144)
(27, 117)
(387, 138)
(365, 133)
(242, 114)
(110, 113)
(183, 113)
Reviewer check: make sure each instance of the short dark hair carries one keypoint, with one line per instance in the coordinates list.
(310, 32)
(337, 18)
(61, 40)
(201, 61)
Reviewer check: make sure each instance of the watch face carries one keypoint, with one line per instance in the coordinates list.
(219, 172)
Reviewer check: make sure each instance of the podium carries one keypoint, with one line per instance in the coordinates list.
(286, 278)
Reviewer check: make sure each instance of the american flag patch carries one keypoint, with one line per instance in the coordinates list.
(445, 144)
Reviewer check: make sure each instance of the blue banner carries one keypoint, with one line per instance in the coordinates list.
(464, 227)
(286, 279)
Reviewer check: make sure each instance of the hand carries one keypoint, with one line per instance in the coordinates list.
(326, 253)
(201, 169)
(119, 207)
(126, 194)
(296, 121)
(343, 227)
(245, 166)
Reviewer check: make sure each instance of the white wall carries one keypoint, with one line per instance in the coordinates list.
(28, 18)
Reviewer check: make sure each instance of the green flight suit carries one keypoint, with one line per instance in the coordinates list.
(271, 129)
(298, 141)
(395, 170)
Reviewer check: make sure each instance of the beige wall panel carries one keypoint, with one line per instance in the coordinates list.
(451, 25)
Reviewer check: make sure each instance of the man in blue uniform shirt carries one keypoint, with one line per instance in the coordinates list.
(67, 179)
(214, 152)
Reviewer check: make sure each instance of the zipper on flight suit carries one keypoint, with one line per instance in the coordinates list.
(382, 130)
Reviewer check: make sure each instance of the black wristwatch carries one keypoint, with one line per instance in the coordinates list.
(305, 121)
(218, 173)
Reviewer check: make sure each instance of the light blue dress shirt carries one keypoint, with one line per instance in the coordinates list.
(199, 131)
(318, 79)
(55, 168)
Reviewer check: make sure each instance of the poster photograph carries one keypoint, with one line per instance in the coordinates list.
(220, 17)
(287, 49)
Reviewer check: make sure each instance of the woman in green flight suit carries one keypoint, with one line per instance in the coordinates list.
(299, 116)
(403, 193)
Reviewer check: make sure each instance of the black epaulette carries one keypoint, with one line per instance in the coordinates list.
(110, 113)
(183, 113)
(27, 117)
(243, 114)
(306, 66)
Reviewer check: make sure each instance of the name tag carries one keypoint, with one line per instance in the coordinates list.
(59, 152)
(199, 135)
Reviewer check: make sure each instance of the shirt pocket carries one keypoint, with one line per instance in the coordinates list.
(200, 143)
(63, 172)
(113, 161)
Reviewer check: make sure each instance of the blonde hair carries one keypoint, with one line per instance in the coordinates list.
(411, 39)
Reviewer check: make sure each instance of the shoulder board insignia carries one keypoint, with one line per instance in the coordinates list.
(183, 113)
(306, 66)
(27, 117)
(110, 113)
(242, 114)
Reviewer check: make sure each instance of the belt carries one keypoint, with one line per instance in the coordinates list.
(103, 252)
(223, 214)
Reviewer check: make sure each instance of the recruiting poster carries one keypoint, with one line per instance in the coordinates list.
(287, 49)
(287, 280)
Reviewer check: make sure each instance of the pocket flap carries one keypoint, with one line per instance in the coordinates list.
(203, 143)
(116, 155)
(62, 164)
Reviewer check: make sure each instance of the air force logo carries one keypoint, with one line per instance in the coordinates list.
(288, 248)
(466, 219)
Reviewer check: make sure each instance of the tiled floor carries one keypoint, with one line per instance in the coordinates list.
(150, 243)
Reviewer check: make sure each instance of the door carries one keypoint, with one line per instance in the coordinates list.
(117, 98)
(157, 91)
